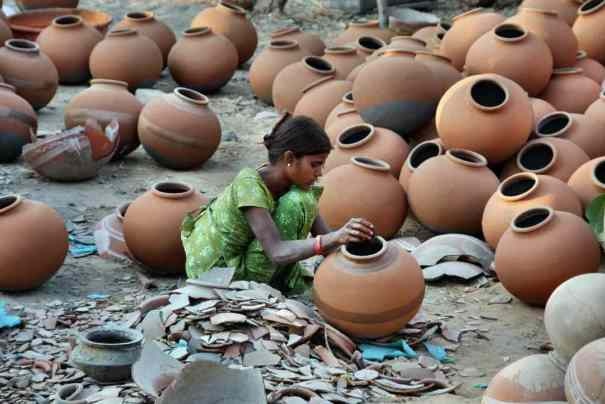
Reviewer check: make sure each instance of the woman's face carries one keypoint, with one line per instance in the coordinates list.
(305, 171)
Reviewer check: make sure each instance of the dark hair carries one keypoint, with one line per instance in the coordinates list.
(299, 134)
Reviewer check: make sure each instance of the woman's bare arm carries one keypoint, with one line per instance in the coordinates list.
(320, 226)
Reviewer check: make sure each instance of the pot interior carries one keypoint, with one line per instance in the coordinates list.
(599, 173)
(518, 186)
(509, 31)
(172, 188)
(531, 218)
(355, 134)
(488, 94)
(553, 124)
(109, 337)
(365, 249)
(7, 201)
(537, 157)
(370, 42)
(423, 152)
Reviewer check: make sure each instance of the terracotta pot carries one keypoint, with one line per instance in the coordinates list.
(37, 231)
(18, 125)
(179, 130)
(152, 226)
(427, 34)
(359, 28)
(419, 154)
(35, 4)
(588, 181)
(366, 46)
(68, 42)
(355, 72)
(466, 29)
(441, 67)
(576, 128)
(104, 101)
(570, 90)
(369, 141)
(585, 376)
(520, 192)
(590, 67)
(394, 295)
(292, 79)
(374, 195)
(507, 50)
(344, 59)
(191, 71)
(541, 108)
(341, 117)
(321, 97)
(566, 9)
(31, 72)
(589, 27)
(596, 110)
(126, 55)
(486, 113)
(267, 65)
(551, 29)
(230, 20)
(448, 193)
(542, 249)
(311, 43)
(407, 43)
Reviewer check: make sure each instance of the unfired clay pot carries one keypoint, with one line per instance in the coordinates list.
(576, 128)
(418, 155)
(543, 248)
(566, 9)
(570, 90)
(152, 226)
(596, 110)
(520, 192)
(367, 46)
(448, 193)
(589, 27)
(541, 108)
(359, 28)
(18, 125)
(321, 97)
(441, 67)
(585, 376)
(369, 290)
(590, 67)
(588, 181)
(311, 43)
(407, 42)
(38, 235)
(344, 59)
(189, 70)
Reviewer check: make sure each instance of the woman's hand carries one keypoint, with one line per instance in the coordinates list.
(355, 231)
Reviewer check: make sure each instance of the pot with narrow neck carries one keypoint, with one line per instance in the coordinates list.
(321, 97)
(344, 59)
(312, 43)
(577, 128)
(341, 117)
(588, 27)
(588, 181)
(367, 45)
(362, 27)
(146, 23)
(419, 154)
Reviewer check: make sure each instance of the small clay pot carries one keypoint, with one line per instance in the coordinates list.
(576, 128)
(441, 67)
(344, 59)
(588, 181)
(341, 117)
(585, 376)
(311, 43)
(230, 20)
(590, 67)
(588, 28)
(191, 71)
(30, 71)
(596, 110)
(321, 97)
(126, 55)
(366, 46)
(541, 108)
(408, 43)
(419, 154)
(36, 4)
(18, 125)
(570, 90)
(359, 28)
(566, 9)
(179, 130)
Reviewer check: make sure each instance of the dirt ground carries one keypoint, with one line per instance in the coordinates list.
(514, 330)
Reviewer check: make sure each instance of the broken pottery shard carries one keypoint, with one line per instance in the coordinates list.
(301, 310)
(261, 358)
(326, 356)
(455, 269)
(152, 325)
(155, 370)
(435, 249)
(471, 372)
(409, 244)
(500, 299)
(225, 318)
(109, 236)
(317, 386)
(179, 301)
(197, 292)
(366, 374)
(153, 303)
(217, 277)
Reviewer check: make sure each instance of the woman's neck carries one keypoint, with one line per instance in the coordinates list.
(275, 180)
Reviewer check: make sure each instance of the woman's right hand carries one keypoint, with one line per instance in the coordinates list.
(355, 231)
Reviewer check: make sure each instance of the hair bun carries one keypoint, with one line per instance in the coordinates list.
(268, 140)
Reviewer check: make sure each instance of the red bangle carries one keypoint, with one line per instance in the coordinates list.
(317, 246)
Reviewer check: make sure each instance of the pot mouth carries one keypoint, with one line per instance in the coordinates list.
(467, 13)
(518, 186)
(67, 21)
(355, 136)
(510, 32)
(111, 337)
(590, 6)
(140, 16)
(197, 31)
(68, 391)
(422, 152)
(488, 95)
(340, 50)
(371, 164)
(8, 87)
(231, 7)
(550, 13)
(410, 38)
(581, 54)
(444, 26)
(370, 43)
(440, 35)
(8, 202)
(121, 211)
(22, 45)
(466, 157)
(602, 95)
(283, 44)
(284, 31)
(319, 65)
(598, 173)
(554, 124)
(567, 70)
(532, 219)
(538, 156)
(172, 190)
(365, 23)
(109, 81)
(433, 55)
(122, 32)
(365, 251)
(348, 98)
(190, 95)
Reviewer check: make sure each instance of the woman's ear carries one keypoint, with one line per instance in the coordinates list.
(289, 158)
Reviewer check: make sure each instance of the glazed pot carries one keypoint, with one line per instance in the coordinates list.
(366, 46)
(35, 4)
(570, 90)
(408, 43)
(230, 20)
(359, 28)
(267, 65)
(126, 55)
(36, 231)
(448, 193)
(588, 181)
(541, 108)
(321, 97)
(590, 67)
(576, 128)
(596, 110)
(589, 27)
(584, 377)
(344, 59)
(18, 125)
(311, 43)
(179, 130)
(466, 29)
(486, 113)
(566, 9)
(419, 154)
(520, 192)
(104, 101)
(374, 194)
(152, 226)
(507, 50)
(31, 72)
(369, 290)
(441, 67)
(341, 117)
(191, 71)
(543, 248)
(68, 42)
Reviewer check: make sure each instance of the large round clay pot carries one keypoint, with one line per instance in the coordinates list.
(104, 101)
(311, 43)
(418, 155)
(321, 97)
(520, 192)
(566, 9)
(589, 27)
(590, 67)
(152, 226)
(407, 43)
(441, 67)
(359, 28)
(68, 42)
(18, 125)
(543, 248)
(126, 55)
(191, 71)
(230, 20)
(291, 80)
(31, 72)
(341, 117)
(38, 236)
(576, 128)
(374, 194)
(344, 59)
(570, 90)
(366, 46)
(585, 376)
(146, 24)
(588, 181)
(541, 108)
(596, 110)
(486, 113)
(507, 50)
(179, 130)
(368, 141)
(466, 29)
(35, 4)
(369, 290)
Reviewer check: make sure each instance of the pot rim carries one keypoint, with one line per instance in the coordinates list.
(136, 337)
(467, 13)
(122, 32)
(362, 22)
(484, 107)
(285, 31)
(348, 98)
(363, 258)
(420, 146)
(186, 189)
(140, 16)
(591, 6)
(197, 31)
(511, 26)
(9, 87)
(444, 26)
(567, 70)
(371, 163)
(550, 13)
(192, 96)
(433, 55)
(13, 201)
(371, 38)
(532, 144)
(27, 45)
(109, 81)
(581, 54)
(339, 50)
(122, 210)
(551, 116)
(76, 21)
(537, 210)
(232, 8)
(455, 154)
(409, 37)
(368, 128)
(281, 44)
(512, 179)
(593, 174)
(329, 68)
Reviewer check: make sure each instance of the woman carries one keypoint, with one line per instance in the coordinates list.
(260, 224)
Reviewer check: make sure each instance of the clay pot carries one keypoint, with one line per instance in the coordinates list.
(68, 42)
(344, 59)
(230, 20)
(590, 67)
(355, 72)
(543, 248)
(551, 29)
(18, 125)
(407, 43)
(342, 295)
(441, 67)
(367, 46)
(179, 130)
(419, 154)
(466, 29)
(311, 43)
(126, 55)
(541, 108)
(369, 141)
(146, 24)
(584, 377)
(588, 28)
(374, 194)
(576, 128)
(588, 181)
(486, 113)
(104, 101)
(359, 28)
(36, 231)
(292, 79)
(427, 34)
(566, 9)
(507, 50)
(321, 97)
(520, 192)
(447, 193)
(35, 4)
(191, 71)
(570, 90)
(152, 226)
(596, 110)
(341, 117)
(31, 72)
